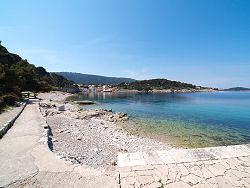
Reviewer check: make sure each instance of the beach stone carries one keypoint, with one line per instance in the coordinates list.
(61, 108)
(125, 118)
(120, 114)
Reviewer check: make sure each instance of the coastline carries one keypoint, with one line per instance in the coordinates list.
(171, 90)
(91, 137)
(95, 136)
(176, 132)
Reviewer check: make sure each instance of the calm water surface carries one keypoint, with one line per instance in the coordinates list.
(184, 119)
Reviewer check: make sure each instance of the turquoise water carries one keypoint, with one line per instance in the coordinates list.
(183, 119)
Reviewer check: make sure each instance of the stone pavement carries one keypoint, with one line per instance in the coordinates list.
(207, 167)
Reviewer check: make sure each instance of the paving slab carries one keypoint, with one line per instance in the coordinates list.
(224, 167)
(152, 158)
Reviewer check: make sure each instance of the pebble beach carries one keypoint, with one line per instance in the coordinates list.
(89, 136)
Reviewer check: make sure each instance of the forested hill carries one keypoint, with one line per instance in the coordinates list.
(17, 75)
(237, 89)
(93, 79)
(158, 84)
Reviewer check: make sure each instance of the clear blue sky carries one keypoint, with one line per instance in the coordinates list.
(205, 42)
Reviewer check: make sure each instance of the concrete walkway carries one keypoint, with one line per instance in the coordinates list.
(27, 162)
(208, 167)
(10, 114)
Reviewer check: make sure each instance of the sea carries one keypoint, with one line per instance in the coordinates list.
(188, 120)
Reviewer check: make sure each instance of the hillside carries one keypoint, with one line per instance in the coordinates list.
(17, 75)
(158, 84)
(93, 79)
(237, 89)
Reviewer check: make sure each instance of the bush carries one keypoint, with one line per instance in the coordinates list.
(44, 87)
(1, 102)
(10, 98)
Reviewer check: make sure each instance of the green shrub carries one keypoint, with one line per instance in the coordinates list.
(17, 75)
(1, 102)
(10, 98)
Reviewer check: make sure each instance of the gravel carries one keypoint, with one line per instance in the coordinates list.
(90, 137)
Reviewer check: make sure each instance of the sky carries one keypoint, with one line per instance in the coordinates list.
(204, 42)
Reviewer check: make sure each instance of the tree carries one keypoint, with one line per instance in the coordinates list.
(17, 74)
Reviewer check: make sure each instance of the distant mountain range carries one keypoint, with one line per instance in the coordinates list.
(237, 89)
(80, 78)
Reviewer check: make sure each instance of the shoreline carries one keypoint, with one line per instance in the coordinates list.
(95, 136)
(170, 91)
(179, 133)
(90, 136)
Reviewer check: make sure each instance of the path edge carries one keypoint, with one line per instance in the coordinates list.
(10, 123)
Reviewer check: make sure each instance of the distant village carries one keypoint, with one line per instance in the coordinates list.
(109, 88)
(96, 88)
